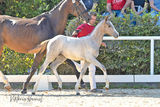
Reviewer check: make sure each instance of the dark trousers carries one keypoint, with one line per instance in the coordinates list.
(74, 68)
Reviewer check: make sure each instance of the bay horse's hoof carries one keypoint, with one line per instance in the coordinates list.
(106, 89)
(24, 91)
(77, 93)
(7, 87)
(33, 93)
(60, 89)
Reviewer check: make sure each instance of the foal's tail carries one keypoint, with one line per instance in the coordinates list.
(39, 48)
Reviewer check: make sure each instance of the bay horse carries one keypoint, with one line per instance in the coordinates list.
(22, 35)
(84, 49)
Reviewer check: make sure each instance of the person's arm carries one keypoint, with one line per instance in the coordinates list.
(78, 30)
(145, 7)
(127, 4)
(109, 8)
(103, 44)
(75, 33)
(133, 7)
(151, 2)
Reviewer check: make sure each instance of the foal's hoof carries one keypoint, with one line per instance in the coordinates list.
(7, 87)
(33, 93)
(24, 91)
(77, 93)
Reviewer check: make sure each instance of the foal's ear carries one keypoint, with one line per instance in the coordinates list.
(107, 18)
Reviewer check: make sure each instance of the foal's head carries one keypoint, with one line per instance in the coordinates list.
(109, 28)
(81, 8)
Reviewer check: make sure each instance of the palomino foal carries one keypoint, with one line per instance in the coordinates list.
(84, 49)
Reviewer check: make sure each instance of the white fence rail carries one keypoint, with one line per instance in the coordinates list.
(151, 38)
(99, 78)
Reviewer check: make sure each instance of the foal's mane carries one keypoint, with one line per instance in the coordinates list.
(97, 26)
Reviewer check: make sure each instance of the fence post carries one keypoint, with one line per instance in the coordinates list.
(152, 57)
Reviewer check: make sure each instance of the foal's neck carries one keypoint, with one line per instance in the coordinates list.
(97, 34)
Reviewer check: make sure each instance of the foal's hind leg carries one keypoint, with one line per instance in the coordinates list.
(94, 61)
(58, 61)
(37, 60)
(2, 76)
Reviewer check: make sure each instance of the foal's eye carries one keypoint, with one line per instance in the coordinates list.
(109, 25)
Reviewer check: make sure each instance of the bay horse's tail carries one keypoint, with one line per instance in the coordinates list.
(39, 48)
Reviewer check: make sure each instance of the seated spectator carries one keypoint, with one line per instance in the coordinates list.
(155, 8)
(139, 6)
(117, 7)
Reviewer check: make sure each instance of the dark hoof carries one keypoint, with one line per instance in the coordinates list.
(7, 87)
(107, 89)
(60, 89)
(24, 91)
(33, 93)
(77, 93)
(82, 86)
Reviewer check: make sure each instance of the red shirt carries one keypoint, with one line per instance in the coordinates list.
(116, 4)
(85, 29)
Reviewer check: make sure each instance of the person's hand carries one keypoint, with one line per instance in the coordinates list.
(104, 44)
(122, 11)
(145, 5)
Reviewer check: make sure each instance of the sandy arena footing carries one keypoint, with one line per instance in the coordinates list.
(67, 98)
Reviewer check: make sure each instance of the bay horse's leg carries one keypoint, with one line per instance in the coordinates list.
(75, 69)
(37, 60)
(47, 61)
(2, 76)
(94, 61)
(54, 65)
(5, 81)
(84, 66)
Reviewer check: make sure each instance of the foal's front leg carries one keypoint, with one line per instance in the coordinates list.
(94, 61)
(84, 66)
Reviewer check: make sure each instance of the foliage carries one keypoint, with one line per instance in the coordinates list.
(15, 63)
(27, 8)
(101, 6)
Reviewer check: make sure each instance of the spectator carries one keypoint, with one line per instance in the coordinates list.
(117, 7)
(155, 9)
(139, 6)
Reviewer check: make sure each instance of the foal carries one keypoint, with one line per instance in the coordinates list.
(84, 49)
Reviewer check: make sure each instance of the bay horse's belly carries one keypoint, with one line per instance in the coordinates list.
(22, 39)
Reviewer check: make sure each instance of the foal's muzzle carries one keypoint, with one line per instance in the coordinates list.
(116, 35)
